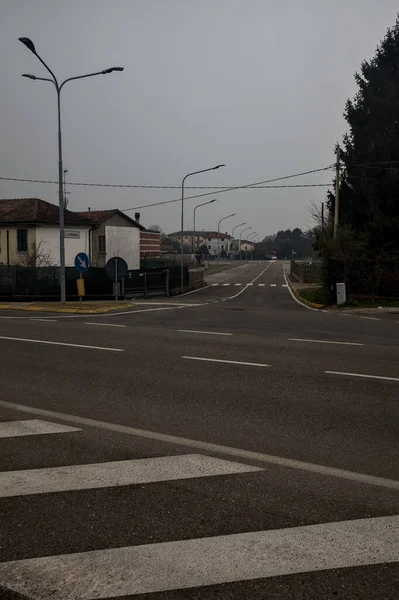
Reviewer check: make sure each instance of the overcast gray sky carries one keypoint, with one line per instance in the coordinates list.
(256, 84)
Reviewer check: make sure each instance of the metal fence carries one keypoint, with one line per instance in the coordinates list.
(306, 272)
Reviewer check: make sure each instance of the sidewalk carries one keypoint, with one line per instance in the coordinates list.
(84, 308)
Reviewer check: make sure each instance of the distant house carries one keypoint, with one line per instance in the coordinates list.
(30, 234)
(214, 241)
(116, 234)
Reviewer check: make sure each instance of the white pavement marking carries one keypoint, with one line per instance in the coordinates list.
(362, 375)
(370, 318)
(249, 284)
(229, 362)
(273, 285)
(203, 332)
(325, 342)
(284, 285)
(45, 320)
(295, 298)
(226, 284)
(214, 284)
(237, 284)
(104, 324)
(17, 339)
(116, 473)
(208, 446)
(32, 427)
(192, 563)
(261, 284)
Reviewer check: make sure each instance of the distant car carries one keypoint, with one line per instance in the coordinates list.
(274, 257)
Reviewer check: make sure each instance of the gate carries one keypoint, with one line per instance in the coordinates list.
(147, 283)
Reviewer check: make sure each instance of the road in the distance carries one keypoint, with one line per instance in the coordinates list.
(254, 422)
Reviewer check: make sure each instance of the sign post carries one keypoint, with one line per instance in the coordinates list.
(116, 269)
(82, 263)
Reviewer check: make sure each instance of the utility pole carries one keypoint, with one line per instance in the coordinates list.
(336, 204)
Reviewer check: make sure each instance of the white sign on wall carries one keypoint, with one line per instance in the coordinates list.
(72, 234)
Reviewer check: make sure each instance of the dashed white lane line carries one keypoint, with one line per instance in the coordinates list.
(10, 429)
(105, 324)
(261, 284)
(228, 362)
(273, 285)
(363, 375)
(214, 284)
(17, 339)
(237, 284)
(325, 342)
(199, 562)
(203, 332)
(370, 318)
(226, 284)
(229, 451)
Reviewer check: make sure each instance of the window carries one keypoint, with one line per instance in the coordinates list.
(22, 240)
(222, 239)
(209, 239)
(209, 247)
(101, 243)
(222, 246)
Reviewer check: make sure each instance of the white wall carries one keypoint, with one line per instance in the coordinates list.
(48, 243)
(123, 242)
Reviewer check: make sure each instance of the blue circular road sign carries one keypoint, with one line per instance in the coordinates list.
(82, 262)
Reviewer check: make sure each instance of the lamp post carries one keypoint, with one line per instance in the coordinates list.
(241, 232)
(224, 218)
(250, 235)
(182, 219)
(234, 228)
(198, 205)
(58, 86)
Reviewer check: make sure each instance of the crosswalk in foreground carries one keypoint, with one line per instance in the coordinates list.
(177, 564)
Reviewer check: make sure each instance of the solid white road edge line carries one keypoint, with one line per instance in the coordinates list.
(229, 362)
(32, 427)
(208, 446)
(44, 320)
(370, 318)
(204, 332)
(116, 473)
(293, 295)
(17, 339)
(104, 324)
(325, 342)
(362, 375)
(198, 562)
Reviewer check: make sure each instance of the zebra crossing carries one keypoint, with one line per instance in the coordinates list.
(284, 285)
(157, 565)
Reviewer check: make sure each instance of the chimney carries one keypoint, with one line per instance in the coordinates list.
(137, 217)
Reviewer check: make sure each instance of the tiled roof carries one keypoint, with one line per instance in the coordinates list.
(98, 216)
(35, 210)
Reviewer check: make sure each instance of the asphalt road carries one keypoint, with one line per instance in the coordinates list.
(228, 443)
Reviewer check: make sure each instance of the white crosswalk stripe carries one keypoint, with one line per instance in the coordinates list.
(32, 427)
(238, 284)
(226, 284)
(273, 284)
(175, 564)
(111, 474)
(199, 562)
(261, 284)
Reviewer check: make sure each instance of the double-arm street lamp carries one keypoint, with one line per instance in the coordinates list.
(194, 232)
(58, 86)
(224, 218)
(182, 219)
(241, 232)
(252, 241)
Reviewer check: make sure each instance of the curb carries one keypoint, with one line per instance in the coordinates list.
(302, 300)
(80, 311)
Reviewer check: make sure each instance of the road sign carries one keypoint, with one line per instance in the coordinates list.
(82, 262)
(116, 268)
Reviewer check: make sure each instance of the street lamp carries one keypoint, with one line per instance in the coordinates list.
(241, 232)
(198, 205)
(251, 240)
(224, 218)
(30, 45)
(182, 219)
(234, 228)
